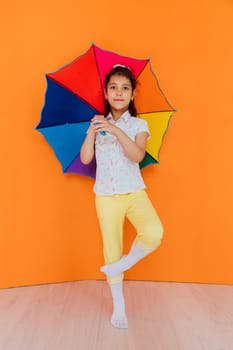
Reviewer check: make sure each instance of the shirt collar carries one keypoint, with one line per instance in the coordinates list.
(125, 116)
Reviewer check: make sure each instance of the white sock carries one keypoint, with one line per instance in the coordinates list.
(126, 262)
(119, 318)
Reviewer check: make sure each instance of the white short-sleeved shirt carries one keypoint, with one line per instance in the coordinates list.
(115, 173)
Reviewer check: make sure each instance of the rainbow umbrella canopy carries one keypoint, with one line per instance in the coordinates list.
(75, 93)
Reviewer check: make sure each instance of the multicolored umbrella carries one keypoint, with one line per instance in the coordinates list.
(75, 93)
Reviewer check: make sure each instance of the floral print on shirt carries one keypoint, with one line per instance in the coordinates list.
(115, 173)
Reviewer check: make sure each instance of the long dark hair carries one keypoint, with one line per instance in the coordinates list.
(125, 72)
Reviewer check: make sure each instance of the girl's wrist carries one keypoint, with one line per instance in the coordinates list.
(92, 130)
(118, 132)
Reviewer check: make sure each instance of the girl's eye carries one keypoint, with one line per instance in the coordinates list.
(126, 88)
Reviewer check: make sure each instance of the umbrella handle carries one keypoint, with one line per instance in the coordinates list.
(101, 132)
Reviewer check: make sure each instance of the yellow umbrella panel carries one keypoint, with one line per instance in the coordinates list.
(158, 123)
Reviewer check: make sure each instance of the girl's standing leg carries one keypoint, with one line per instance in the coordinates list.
(111, 215)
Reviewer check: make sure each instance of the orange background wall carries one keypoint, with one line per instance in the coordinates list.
(48, 228)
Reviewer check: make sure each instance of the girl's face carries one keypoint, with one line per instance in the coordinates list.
(119, 93)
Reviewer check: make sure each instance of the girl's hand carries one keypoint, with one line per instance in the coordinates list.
(92, 128)
(100, 123)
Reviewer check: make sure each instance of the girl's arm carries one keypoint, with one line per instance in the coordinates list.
(134, 150)
(87, 151)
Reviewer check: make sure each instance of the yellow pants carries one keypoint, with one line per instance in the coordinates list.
(137, 207)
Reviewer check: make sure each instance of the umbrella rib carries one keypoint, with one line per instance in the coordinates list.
(102, 87)
(152, 157)
(157, 81)
(157, 111)
(142, 69)
(168, 123)
(54, 125)
(122, 56)
(67, 167)
(70, 63)
(76, 95)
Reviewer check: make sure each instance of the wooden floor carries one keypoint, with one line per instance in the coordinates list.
(75, 316)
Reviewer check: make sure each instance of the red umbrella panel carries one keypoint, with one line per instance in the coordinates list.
(75, 93)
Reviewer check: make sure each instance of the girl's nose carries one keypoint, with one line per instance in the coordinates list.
(118, 91)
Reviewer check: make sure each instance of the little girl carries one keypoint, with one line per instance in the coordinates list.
(118, 141)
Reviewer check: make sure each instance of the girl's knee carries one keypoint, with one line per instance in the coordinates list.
(159, 232)
(156, 236)
(152, 237)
